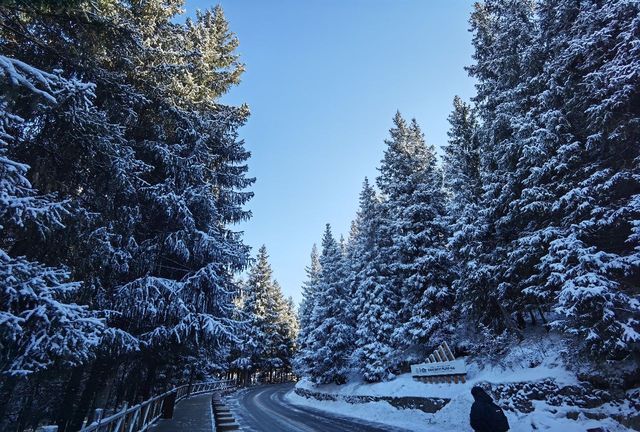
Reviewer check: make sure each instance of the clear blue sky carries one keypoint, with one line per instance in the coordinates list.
(323, 80)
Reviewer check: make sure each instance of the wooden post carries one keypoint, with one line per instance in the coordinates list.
(448, 351)
(443, 354)
(168, 405)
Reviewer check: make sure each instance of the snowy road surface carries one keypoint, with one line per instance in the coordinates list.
(264, 409)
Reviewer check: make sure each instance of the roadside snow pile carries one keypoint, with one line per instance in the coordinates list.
(531, 384)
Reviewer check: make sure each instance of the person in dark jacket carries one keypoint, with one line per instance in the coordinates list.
(486, 416)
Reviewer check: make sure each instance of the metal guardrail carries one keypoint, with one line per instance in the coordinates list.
(139, 418)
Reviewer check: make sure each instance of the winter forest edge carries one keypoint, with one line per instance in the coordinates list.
(122, 176)
(530, 220)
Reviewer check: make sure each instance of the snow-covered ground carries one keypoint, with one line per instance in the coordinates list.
(454, 416)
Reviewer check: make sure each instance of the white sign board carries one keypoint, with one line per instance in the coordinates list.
(454, 367)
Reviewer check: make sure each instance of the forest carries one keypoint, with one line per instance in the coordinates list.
(529, 220)
(123, 178)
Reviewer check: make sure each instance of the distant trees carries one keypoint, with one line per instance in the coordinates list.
(303, 360)
(270, 326)
(326, 324)
(394, 293)
(534, 217)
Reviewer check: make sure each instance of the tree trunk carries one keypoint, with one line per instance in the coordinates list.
(533, 318)
(509, 322)
(68, 401)
(132, 384)
(119, 386)
(25, 413)
(192, 372)
(544, 320)
(9, 385)
(106, 393)
(95, 380)
(520, 321)
(147, 387)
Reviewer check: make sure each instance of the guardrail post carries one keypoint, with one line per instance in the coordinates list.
(97, 415)
(168, 404)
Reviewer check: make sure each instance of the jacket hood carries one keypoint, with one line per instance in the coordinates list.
(479, 395)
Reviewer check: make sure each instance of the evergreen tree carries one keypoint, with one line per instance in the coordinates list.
(351, 267)
(270, 328)
(309, 287)
(589, 119)
(304, 355)
(259, 307)
(152, 173)
(41, 327)
(287, 330)
(463, 183)
(331, 339)
(503, 30)
(414, 206)
(461, 163)
(375, 304)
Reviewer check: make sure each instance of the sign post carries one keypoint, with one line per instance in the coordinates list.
(441, 366)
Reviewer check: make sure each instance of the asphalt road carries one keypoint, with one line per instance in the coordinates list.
(264, 409)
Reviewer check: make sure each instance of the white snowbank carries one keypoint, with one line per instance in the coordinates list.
(379, 412)
(454, 417)
(516, 367)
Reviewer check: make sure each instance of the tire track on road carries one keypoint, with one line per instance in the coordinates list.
(264, 409)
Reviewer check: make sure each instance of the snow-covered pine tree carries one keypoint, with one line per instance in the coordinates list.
(255, 307)
(351, 266)
(275, 344)
(331, 338)
(291, 328)
(503, 30)
(375, 304)
(244, 351)
(414, 208)
(41, 327)
(302, 362)
(590, 118)
(309, 287)
(463, 184)
(79, 153)
(560, 205)
(287, 331)
(157, 189)
(461, 164)
(268, 335)
(195, 189)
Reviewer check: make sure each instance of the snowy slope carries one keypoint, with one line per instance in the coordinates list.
(514, 370)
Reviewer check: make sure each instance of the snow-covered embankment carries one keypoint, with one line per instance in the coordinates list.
(537, 394)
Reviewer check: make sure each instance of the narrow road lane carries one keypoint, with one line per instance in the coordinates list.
(264, 409)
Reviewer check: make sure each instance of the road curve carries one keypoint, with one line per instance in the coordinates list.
(264, 409)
